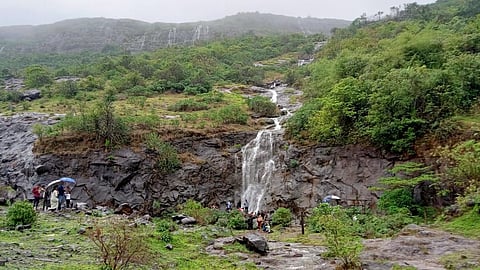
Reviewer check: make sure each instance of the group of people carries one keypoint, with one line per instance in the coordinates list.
(263, 223)
(59, 197)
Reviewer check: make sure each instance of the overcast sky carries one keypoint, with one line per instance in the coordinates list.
(15, 12)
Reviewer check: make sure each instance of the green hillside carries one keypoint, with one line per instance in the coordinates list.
(391, 82)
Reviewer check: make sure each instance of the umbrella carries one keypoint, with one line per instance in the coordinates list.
(63, 179)
(328, 198)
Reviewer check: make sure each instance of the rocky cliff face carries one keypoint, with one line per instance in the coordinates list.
(211, 171)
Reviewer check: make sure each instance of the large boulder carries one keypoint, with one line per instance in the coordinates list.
(256, 243)
(31, 94)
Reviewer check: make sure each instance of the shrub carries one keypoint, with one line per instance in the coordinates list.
(342, 242)
(202, 214)
(166, 225)
(282, 216)
(263, 106)
(167, 156)
(21, 213)
(188, 105)
(236, 220)
(120, 244)
(393, 200)
(231, 114)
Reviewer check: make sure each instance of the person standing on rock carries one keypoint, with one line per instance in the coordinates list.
(245, 206)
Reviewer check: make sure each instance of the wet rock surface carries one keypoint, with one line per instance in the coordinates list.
(415, 246)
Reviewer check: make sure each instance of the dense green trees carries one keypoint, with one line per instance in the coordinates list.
(390, 83)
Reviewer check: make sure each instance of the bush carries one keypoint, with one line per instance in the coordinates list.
(263, 106)
(236, 220)
(282, 216)
(342, 241)
(165, 228)
(188, 105)
(393, 200)
(231, 114)
(167, 156)
(202, 214)
(120, 244)
(21, 213)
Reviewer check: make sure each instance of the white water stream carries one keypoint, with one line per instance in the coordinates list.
(258, 165)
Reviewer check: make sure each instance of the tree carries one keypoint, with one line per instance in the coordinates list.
(37, 76)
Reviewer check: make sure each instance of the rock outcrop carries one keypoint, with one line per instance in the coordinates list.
(211, 171)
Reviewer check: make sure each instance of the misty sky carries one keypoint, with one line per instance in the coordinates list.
(15, 12)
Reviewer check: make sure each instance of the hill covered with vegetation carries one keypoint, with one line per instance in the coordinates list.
(392, 81)
(118, 35)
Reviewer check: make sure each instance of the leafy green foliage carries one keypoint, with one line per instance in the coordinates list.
(188, 105)
(408, 175)
(165, 228)
(262, 106)
(282, 216)
(391, 83)
(230, 114)
(166, 155)
(20, 213)
(203, 215)
(37, 76)
(236, 220)
(342, 242)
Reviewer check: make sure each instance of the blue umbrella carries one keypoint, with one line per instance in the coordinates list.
(63, 179)
(67, 179)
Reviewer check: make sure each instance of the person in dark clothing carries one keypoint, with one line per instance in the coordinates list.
(61, 196)
(245, 206)
(250, 218)
(46, 200)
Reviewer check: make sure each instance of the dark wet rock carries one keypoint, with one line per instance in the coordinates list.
(256, 242)
(31, 94)
(23, 227)
(124, 209)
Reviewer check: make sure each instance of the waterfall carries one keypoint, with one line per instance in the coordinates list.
(258, 165)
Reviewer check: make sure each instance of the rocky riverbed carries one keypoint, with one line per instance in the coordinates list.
(415, 246)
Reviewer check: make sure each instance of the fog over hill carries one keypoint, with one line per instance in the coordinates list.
(101, 34)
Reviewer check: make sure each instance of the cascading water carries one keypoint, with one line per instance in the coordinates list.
(258, 164)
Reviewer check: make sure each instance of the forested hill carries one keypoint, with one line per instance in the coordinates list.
(397, 79)
(106, 35)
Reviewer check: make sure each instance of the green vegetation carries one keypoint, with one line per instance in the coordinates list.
(20, 213)
(393, 82)
(282, 216)
(341, 240)
(466, 224)
(120, 244)
(262, 106)
(166, 155)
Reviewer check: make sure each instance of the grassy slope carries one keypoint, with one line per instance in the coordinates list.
(53, 243)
